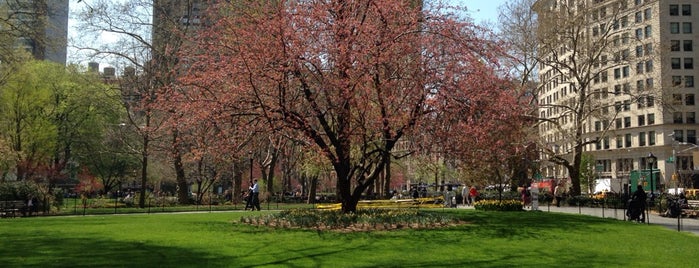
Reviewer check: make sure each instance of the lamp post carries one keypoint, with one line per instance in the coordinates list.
(651, 160)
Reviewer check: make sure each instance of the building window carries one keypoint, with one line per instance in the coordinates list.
(649, 66)
(598, 126)
(674, 46)
(639, 49)
(688, 63)
(675, 63)
(639, 85)
(687, 27)
(618, 123)
(648, 31)
(674, 10)
(619, 142)
(676, 80)
(647, 13)
(641, 120)
(627, 140)
(627, 121)
(679, 135)
(686, 10)
(649, 49)
(649, 83)
(639, 68)
(627, 88)
(689, 99)
(677, 117)
(651, 137)
(692, 136)
(689, 81)
(651, 119)
(676, 99)
(627, 107)
(691, 118)
(674, 28)
(642, 139)
(687, 44)
(639, 33)
(639, 17)
(641, 102)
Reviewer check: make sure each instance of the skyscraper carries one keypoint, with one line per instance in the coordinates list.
(40, 26)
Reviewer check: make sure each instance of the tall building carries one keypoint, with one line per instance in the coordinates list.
(640, 94)
(40, 26)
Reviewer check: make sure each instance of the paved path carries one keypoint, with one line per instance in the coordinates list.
(686, 224)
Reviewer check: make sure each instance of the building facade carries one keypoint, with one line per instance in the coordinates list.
(39, 26)
(641, 94)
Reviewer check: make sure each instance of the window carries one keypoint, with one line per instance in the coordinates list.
(688, 63)
(627, 107)
(639, 17)
(687, 45)
(618, 123)
(648, 31)
(617, 90)
(676, 99)
(686, 10)
(651, 137)
(675, 63)
(677, 117)
(639, 85)
(676, 80)
(625, 71)
(624, 21)
(651, 119)
(647, 14)
(674, 46)
(689, 99)
(649, 49)
(627, 140)
(692, 136)
(641, 120)
(642, 139)
(640, 102)
(649, 66)
(617, 106)
(689, 81)
(627, 88)
(649, 103)
(627, 121)
(639, 49)
(679, 135)
(674, 10)
(691, 118)
(598, 126)
(674, 28)
(619, 142)
(639, 68)
(639, 33)
(687, 27)
(649, 83)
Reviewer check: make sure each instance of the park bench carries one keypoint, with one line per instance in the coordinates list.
(693, 210)
(12, 208)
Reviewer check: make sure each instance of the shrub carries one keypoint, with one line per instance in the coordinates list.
(498, 205)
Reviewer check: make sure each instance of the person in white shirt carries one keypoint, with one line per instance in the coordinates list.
(255, 189)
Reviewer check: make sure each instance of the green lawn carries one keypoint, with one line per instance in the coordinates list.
(491, 239)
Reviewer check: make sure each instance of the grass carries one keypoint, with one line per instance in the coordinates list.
(492, 239)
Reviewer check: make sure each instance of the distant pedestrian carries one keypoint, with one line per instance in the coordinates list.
(558, 193)
(255, 198)
(472, 195)
(464, 195)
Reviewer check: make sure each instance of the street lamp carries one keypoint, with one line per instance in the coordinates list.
(651, 159)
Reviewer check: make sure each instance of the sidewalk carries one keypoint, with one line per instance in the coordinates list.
(686, 224)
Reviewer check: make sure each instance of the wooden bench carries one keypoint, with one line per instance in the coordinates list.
(693, 210)
(13, 208)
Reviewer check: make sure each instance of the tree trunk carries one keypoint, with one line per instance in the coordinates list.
(312, 189)
(182, 187)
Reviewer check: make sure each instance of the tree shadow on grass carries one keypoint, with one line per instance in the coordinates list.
(91, 251)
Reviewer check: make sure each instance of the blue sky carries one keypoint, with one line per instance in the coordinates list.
(482, 10)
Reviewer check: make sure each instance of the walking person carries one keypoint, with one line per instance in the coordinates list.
(464, 195)
(558, 193)
(472, 195)
(255, 199)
